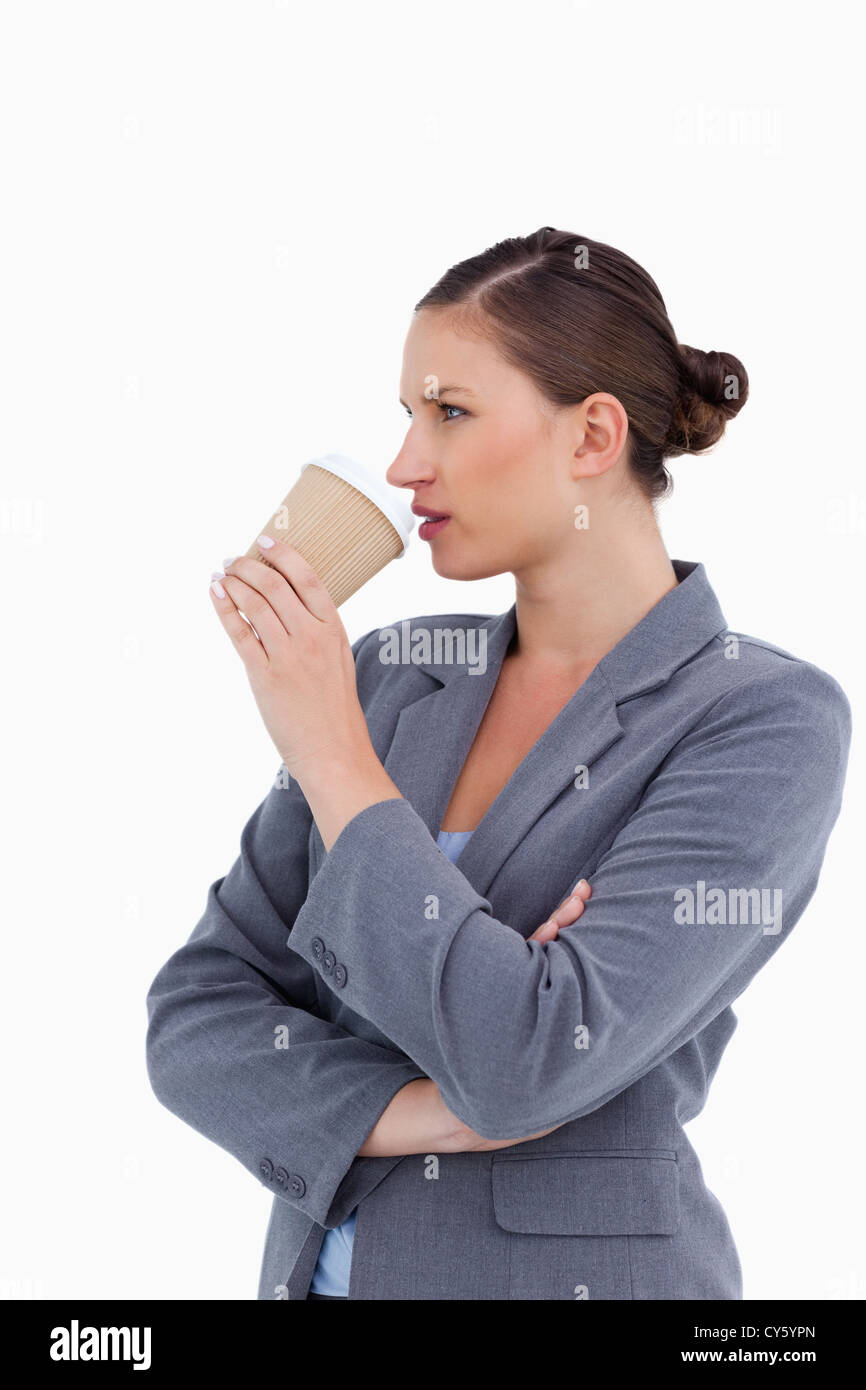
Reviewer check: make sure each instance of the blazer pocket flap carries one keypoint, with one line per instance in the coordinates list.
(612, 1192)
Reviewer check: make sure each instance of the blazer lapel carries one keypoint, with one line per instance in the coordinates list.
(434, 733)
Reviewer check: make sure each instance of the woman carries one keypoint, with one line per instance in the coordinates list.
(447, 1101)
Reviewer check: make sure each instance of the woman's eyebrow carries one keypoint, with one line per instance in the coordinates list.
(466, 391)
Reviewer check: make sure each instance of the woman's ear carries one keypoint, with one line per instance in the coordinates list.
(601, 432)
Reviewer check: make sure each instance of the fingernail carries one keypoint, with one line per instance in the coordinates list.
(264, 541)
(229, 561)
(218, 589)
(218, 574)
(583, 883)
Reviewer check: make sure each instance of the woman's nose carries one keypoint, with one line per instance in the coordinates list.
(407, 470)
(394, 474)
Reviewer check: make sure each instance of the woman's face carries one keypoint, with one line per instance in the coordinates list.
(494, 455)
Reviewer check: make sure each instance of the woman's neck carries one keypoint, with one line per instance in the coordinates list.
(572, 610)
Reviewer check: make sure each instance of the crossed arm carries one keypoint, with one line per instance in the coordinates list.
(237, 1048)
(417, 1120)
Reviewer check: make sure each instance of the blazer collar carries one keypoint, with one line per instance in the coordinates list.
(682, 622)
(434, 733)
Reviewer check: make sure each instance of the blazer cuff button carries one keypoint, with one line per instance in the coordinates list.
(297, 1185)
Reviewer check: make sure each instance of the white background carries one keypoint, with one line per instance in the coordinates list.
(218, 218)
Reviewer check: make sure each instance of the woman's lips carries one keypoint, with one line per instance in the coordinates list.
(432, 528)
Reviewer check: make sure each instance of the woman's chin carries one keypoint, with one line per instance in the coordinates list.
(462, 567)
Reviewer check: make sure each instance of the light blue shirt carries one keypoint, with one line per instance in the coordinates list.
(331, 1275)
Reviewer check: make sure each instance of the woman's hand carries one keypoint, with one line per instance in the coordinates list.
(416, 1120)
(568, 911)
(298, 659)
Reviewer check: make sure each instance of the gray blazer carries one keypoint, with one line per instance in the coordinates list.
(694, 779)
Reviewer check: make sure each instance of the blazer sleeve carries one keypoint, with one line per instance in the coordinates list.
(521, 1036)
(235, 1044)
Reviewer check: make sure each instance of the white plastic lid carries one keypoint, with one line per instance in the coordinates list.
(387, 498)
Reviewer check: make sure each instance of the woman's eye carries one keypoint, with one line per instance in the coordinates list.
(443, 408)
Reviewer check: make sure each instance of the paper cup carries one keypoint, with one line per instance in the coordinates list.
(346, 523)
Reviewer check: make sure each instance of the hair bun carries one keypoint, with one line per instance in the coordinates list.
(715, 386)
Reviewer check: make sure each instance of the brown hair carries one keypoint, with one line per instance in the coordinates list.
(579, 317)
